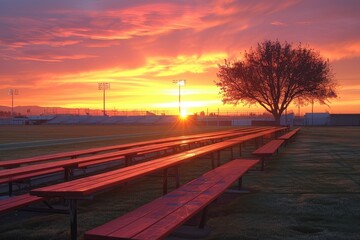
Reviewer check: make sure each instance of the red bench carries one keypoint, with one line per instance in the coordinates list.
(288, 136)
(29, 171)
(159, 218)
(16, 202)
(267, 150)
(28, 176)
(78, 153)
(87, 187)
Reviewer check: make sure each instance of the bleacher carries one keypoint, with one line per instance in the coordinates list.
(59, 119)
(131, 119)
(149, 120)
(167, 119)
(113, 120)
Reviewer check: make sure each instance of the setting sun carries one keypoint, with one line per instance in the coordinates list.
(183, 114)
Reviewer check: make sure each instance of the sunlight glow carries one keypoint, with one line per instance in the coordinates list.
(183, 114)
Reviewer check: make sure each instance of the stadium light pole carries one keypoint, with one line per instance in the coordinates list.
(13, 92)
(180, 83)
(104, 86)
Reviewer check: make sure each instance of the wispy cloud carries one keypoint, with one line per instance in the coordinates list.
(278, 23)
(56, 58)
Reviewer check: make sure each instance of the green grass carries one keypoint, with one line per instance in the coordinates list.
(27, 134)
(311, 190)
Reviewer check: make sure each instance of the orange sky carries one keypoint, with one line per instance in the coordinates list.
(56, 52)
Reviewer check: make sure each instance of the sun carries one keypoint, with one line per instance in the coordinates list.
(183, 114)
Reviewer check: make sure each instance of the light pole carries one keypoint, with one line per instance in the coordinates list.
(104, 86)
(13, 92)
(180, 83)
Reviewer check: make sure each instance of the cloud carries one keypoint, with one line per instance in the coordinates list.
(341, 50)
(278, 23)
(56, 58)
(140, 46)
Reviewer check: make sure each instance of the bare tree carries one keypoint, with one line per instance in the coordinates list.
(274, 74)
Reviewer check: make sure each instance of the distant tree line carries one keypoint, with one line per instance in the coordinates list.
(8, 114)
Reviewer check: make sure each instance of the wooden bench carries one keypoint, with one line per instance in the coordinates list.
(159, 218)
(267, 150)
(128, 159)
(29, 171)
(91, 184)
(79, 153)
(87, 187)
(68, 165)
(288, 136)
(15, 202)
(27, 176)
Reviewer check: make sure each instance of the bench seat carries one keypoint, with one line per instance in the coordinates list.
(126, 159)
(99, 161)
(27, 176)
(267, 150)
(289, 135)
(16, 202)
(30, 175)
(160, 217)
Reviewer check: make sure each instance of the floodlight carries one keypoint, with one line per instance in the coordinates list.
(180, 83)
(13, 92)
(104, 86)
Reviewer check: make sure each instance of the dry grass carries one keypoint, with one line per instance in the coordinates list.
(310, 191)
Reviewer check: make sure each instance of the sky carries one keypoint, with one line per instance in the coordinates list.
(56, 52)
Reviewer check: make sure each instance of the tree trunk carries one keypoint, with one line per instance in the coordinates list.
(277, 117)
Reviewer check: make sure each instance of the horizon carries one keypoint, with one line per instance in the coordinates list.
(56, 53)
(29, 111)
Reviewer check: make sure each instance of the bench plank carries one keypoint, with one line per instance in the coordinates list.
(290, 134)
(29, 175)
(160, 217)
(269, 148)
(15, 202)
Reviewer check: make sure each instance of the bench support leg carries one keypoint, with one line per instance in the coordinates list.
(165, 183)
(262, 164)
(215, 157)
(67, 173)
(128, 160)
(203, 218)
(240, 183)
(177, 176)
(73, 218)
(10, 189)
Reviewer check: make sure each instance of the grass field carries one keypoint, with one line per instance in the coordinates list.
(310, 191)
(26, 141)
